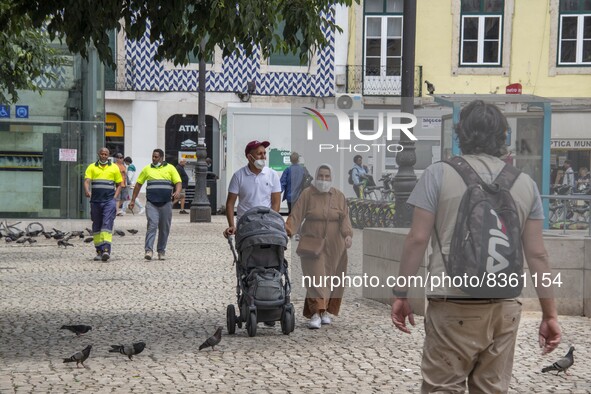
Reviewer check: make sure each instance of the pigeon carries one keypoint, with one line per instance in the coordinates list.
(128, 350)
(212, 340)
(79, 234)
(88, 240)
(119, 233)
(132, 231)
(8, 239)
(88, 230)
(63, 243)
(563, 364)
(58, 234)
(430, 87)
(23, 240)
(79, 357)
(46, 234)
(31, 240)
(77, 329)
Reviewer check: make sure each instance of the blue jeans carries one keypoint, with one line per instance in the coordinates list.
(159, 220)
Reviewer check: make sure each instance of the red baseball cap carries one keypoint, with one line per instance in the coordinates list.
(255, 144)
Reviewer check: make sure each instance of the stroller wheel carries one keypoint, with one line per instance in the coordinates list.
(231, 319)
(251, 324)
(287, 319)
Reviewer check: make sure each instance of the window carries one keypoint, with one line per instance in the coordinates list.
(279, 58)
(382, 47)
(574, 36)
(481, 32)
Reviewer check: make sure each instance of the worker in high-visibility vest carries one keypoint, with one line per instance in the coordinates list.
(102, 184)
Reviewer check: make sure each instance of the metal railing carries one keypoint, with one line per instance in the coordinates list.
(379, 81)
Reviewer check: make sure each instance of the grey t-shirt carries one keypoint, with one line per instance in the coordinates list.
(425, 195)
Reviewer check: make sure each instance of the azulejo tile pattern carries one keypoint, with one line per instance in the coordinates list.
(143, 73)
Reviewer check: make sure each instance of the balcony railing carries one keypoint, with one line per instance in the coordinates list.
(378, 81)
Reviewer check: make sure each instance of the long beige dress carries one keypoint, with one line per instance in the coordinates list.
(315, 207)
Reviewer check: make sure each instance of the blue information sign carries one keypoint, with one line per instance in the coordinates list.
(4, 111)
(22, 111)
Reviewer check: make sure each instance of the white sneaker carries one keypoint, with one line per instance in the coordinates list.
(315, 321)
(325, 318)
(141, 212)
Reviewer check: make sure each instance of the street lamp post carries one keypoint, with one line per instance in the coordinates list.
(405, 179)
(200, 207)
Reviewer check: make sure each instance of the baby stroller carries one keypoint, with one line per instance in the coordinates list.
(263, 288)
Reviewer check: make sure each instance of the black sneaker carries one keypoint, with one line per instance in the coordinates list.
(105, 256)
(184, 212)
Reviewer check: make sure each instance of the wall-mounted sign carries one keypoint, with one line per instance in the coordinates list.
(571, 144)
(68, 154)
(4, 111)
(21, 111)
(114, 126)
(514, 88)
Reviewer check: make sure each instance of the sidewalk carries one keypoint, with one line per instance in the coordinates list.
(174, 305)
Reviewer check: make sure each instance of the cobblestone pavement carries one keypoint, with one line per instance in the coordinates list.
(174, 305)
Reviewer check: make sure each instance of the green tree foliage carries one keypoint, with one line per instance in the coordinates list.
(26, 54)
(179, 26)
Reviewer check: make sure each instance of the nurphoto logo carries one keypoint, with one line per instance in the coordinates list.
(390, 122)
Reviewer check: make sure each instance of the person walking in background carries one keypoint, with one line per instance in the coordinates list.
(292, 180)
(131, 177)
(324, 212)
(358, 173)
(163, 187)
(184, 183)
(102, 184)
(472, 339)
(124, 195)
(253, 185)
(569, 174)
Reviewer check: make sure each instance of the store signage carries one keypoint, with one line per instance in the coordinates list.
(514, 88)
(571, 144)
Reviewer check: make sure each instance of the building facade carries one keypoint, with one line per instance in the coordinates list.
(46, 142)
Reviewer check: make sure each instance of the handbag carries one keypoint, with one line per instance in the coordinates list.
(310, 246)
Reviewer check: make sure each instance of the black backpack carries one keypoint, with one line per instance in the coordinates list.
(486, 248)
(350, 180)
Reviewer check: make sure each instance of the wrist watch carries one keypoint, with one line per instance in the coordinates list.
(399, 293)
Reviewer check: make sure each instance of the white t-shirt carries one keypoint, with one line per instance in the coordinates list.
(253, 190)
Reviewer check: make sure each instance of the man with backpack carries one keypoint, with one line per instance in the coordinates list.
(294, 179)
(357, 175)
(470, 329)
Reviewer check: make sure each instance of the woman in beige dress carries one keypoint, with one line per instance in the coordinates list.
(324, 212)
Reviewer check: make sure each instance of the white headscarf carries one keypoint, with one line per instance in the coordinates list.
(314, 182)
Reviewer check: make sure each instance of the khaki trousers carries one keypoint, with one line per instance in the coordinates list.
(473, 340)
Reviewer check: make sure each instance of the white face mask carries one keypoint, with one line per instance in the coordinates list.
(260, 164)
(323, 186)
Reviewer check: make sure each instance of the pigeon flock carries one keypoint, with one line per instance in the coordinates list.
(128, 350)
(11, 233)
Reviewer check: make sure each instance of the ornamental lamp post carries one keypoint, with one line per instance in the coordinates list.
(405, 179)
(200, 207)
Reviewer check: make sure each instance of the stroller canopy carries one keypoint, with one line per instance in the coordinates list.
(260, 225)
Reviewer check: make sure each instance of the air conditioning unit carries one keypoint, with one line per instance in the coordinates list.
(349, 101)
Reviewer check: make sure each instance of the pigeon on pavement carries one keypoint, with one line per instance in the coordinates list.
(22, 240)
(563, 364)
(77, 329)
(128, 350)
(119, 233)
(63, 243)
(132, 231)
(88, 230)
(212, 340)
(88, 240)
(79, 357)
